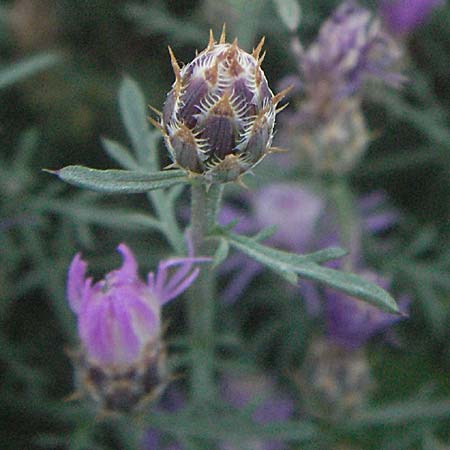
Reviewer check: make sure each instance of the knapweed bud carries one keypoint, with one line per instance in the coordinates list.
(122, 360)
(218, 119)
(333, 381)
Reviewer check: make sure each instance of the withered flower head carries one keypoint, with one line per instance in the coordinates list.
(218, 119)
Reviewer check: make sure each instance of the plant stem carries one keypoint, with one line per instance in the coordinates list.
(204, 208)
(349, 229)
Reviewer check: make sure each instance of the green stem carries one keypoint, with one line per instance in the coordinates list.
(342, 199)
(204, 208)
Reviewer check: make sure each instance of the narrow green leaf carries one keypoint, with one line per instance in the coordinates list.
(289, 12)
(120, 154)
(327, 254)
(236, 427)
(133, 109)
(221, 253)
(266, 233)
(120, 181)
(305, 266)
(112, 218)
(280, 256)
(23, 69)
(401, 413)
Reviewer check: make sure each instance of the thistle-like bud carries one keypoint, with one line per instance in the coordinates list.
(333, 381)
(218, 119)
(122, 360)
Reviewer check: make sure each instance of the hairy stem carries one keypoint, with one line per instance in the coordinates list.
(348, 223)
(204, 208)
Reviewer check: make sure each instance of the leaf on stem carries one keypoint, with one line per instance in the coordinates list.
(119, 181)
(290, 266)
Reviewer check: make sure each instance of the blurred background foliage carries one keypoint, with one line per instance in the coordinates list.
(61, 64)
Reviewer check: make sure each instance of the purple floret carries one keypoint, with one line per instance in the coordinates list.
(120, 315)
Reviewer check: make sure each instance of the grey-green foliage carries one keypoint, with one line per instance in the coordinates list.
(291, 266)
(136, 181)
(21, 70)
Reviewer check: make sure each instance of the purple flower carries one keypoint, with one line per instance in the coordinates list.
(351, 47)
(292, 208)
(329, 128)
(122, 358)
(304, 224)
(404, 16)
(350, 322)
(241, 390)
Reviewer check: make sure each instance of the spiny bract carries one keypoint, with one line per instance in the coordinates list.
(219, 116)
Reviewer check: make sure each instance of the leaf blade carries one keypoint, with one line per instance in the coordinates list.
(113, 181)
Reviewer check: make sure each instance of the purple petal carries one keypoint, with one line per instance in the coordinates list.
(239, 283)
(403, 16)
(128, 272)
(76, 282)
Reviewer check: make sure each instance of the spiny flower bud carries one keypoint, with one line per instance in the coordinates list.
(218, 119)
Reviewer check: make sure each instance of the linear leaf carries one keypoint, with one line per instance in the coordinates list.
(27, 67)
(133, 109)
(305, 266)
(120, 154)
(289, 12)
(120, 181)
(401, 413)
(111, 217)
(221, 253)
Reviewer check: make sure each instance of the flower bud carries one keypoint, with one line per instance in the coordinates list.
(333, 381)
(122, 360)
(218, 119)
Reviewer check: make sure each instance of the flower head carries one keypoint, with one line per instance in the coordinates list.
(218, 119)
(350, 322)
(351, 46)
(404, 16)
(329, 127)
(122, 359)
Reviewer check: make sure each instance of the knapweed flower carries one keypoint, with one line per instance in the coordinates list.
(350, 322)
(334, 382)
(218, 119)
(404, 16)
(328, 128)
(272, 406)
(122, 360)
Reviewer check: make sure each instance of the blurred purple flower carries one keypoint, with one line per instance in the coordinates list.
(241, 390)
(122, 359)
(404, 16)
(351, 46)
(304, 223)
(329, 128)
(237, 391)
(350, 322)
